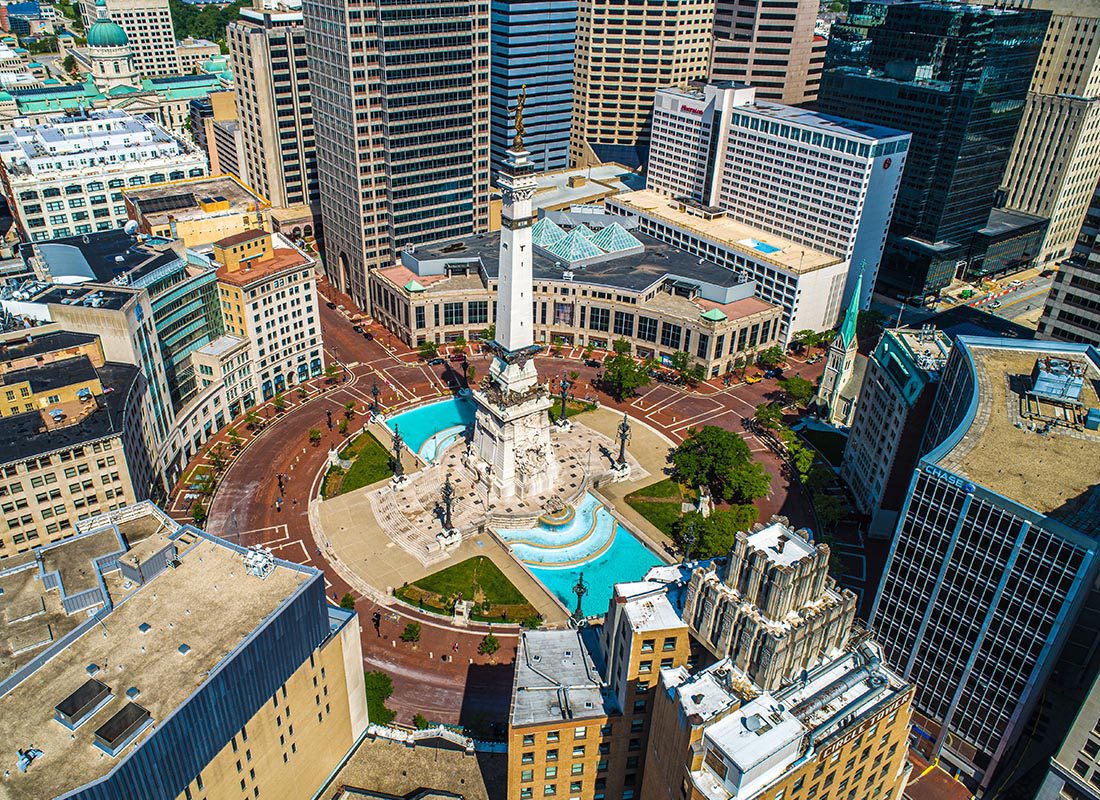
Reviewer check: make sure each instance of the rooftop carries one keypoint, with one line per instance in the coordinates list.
(284, 257)
(555, 679)
(729, 233)
(647, 606)
(241, 238)
(590, 185)
(32, 344)
(207, 603)
(53, 375)
(104, 257)
(193, 199)
(34, 433)
(1055, 473)
(782, 546)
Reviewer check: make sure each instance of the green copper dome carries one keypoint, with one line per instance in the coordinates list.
(105, 32)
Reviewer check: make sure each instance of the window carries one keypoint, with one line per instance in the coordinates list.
(528, 739)
(527, 775)
(551, 772)
(645, 667)
(647, 645)
(599, 319)
(452, 313)
(580, 733)
(528, 758)
(478, 311)
(647, 329)
(551, 755)
(624, 324)
(553, 736)
(671, 335)
(669, 644)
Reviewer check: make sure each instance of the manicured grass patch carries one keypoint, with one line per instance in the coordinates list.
(829, 444)
(660, 503)
(379, 688)
(572, 408)
(477, 579)
(370, 463)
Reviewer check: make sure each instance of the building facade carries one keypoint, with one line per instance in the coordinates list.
(770, 44)
(1074, 772)
(220, 727)
(197, 212)
(817, 180)
(268, 294)
(1072, 311)
(148, 26)
(274, 105)
(994, 555)
(532, 53)
(895, 397)
(1053, 163)
(657, 298)
(401, 115)
(625, 53)
(806, 283)
(957, 77)
(65, 177)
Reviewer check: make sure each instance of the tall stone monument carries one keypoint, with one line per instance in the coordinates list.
(513, 452)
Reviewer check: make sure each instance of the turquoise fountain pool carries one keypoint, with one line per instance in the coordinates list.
(593, 543)
(431, 429)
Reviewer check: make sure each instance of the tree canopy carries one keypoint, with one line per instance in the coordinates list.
(203, 22)
(622, 375)
(712, 536)
(689, 371)
(721, 461)
(772, 357)
(799, 389)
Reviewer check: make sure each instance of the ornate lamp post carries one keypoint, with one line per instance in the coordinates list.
(564, 385)
(398, 446)
(580, 589)
(448, 496)
(624, 437)
(374, 393)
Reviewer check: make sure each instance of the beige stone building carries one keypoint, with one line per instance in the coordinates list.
(268, 46)
(196, 212)
(592, 287)
(148, 26)
(161, 687)
(1054, 163)
(71, 432)
(625, 53)
(770, 44)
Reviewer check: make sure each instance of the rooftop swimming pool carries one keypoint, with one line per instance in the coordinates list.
(594, 543)
(431, 429)
(759, 246)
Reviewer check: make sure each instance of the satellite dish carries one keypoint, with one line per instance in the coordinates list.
(131, 227)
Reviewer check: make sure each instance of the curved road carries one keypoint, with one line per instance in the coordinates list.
(442, 676)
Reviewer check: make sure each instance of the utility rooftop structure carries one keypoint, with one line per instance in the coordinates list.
(127, 698)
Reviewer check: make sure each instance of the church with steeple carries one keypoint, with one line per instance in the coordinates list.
(844, 367)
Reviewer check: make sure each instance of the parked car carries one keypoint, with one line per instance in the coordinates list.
(753, 379)
(774, 373)
(368, 335)
(357, 328)
(995, 304)
(458, 357)
(591, 362)
(331, 305)
(435, 362)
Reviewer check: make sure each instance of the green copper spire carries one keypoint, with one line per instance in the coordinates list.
(848, 327)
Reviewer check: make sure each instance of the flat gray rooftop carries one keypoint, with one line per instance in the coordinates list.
(556, 680)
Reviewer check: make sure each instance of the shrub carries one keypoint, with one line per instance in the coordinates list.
(489, 645)
(379, 687)
(347, 601)
(421, 722)
(411, 632)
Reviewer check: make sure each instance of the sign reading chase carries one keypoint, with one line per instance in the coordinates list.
(954, 480)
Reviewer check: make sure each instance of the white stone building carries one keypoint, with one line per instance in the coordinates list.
(817, 180)
(65, 177)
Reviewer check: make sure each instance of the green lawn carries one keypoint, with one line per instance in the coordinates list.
(829, 444)
(660, 503)
(572, 408)
(477, 579)
(370, 463)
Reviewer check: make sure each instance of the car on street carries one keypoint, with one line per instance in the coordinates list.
(435, 362)
(753, 379)
(331, 305)
(458, 357)
(357, 328)
(995, 304)
(774, 373)
(591, 362)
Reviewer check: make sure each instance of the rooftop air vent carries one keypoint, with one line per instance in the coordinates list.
(184, 649)
(81, 704)
(120, 730)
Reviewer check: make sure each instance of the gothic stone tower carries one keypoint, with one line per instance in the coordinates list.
(512, 436)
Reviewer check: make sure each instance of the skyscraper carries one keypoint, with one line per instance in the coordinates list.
(770, 44)
(533, 44)
(957, 77)
(625, 53)
(1072, 312)
(995, 553)
(401, 114)
(148, 26)
(274, 107)
(1053, 164)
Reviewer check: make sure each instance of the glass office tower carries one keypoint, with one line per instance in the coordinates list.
(956, 76)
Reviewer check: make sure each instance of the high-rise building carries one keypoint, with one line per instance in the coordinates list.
(532, 46)
(1074, 772)
(1072, 312)
(401, 113)
(770, 44)
(625, 53)
(65, 177)
(147, 683)
(956, 76)
(817, 180)
(895, 397)
(148, 26)
(783, 708)
(995, 552)
(211, 117)
(1053, 165)
(274, 107)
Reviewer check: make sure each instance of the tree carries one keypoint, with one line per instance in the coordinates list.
(251, 419)
(870, 322)
(471, 374)
(349, 409)
(772, 357)
(712, 536)
(804, 338)
(198, 514)
(489, 333)
(234, 438)
(217, 455)
(279, 401)
(331, 372)
(203, 21)
(45, 44)
(589, 349)
(555, 346)
(489, 645)
(411, 632)
(379, 687)
(799, 389)
(622, 376)
(420, 722)
(683, 366)
(801, 457)
(342, 426)
(69, 64)
(314, 436)
(460, 344)
(427, 349)
(830, 510)
(534, 622)
(769, 416)
(747, 482)
(348, 601)
(708, 457)
(621, 347)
